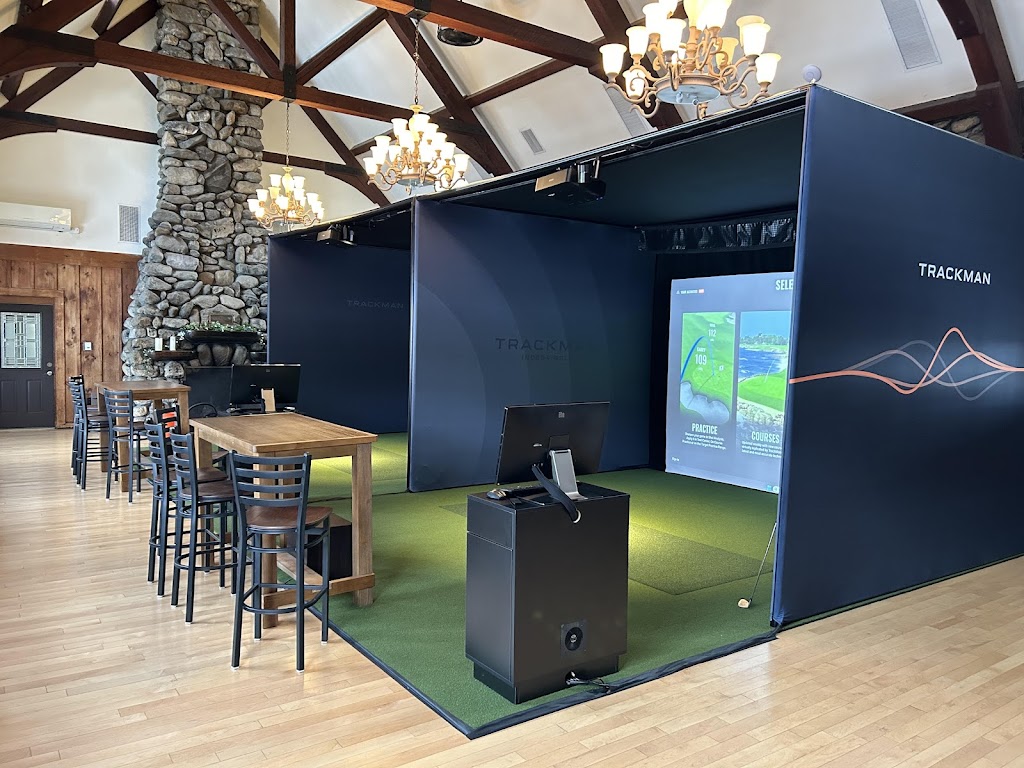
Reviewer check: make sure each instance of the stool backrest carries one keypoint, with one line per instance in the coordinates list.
(170, 417)
(77, 386)
(183, 461)
(159, 451)
(119, 405)
(264, 481)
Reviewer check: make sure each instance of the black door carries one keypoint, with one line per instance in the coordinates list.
(26, 366)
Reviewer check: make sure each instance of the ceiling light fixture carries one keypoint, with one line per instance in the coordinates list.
(456, 37)
(692, 62)
(286, 203)
(420, 155)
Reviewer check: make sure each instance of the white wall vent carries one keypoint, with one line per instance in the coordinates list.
(533, 142)
(912, 34)
(128, 224)
(633, 120)
(35, 217)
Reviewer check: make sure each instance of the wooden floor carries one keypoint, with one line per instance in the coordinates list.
(95, 670)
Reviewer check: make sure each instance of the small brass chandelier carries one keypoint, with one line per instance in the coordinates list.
(286, 203)
(421, 155)
(691, 62)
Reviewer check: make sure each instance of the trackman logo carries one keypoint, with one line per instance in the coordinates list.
(374, 304)
(957, 274)
(535, 348)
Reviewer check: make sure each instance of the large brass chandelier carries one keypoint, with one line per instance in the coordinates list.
(286, 203)
(421, 155)
(690, 61)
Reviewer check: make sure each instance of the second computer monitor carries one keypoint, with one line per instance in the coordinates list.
(530, 431)
(248, 381)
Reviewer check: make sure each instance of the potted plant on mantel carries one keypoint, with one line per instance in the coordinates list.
(221, 333)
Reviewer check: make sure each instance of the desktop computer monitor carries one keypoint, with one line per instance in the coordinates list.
(247, 381)
(530, 431)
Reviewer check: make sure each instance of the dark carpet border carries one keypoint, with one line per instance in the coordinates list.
(552, 706)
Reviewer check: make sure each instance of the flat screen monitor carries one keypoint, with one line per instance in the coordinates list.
(248, 380)
(530, 431)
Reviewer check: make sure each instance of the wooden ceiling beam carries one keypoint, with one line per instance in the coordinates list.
(359, 182)
(501, 29)
(24, 50)
(329, 53)
(57, 14)
(516, 82)
(488, 154)
(245, 38)
(286, 42)
(9, 87)
(49, 82)
(148, 84)
(17, 123)
(51, 123)
(106, 15)
(975, 24)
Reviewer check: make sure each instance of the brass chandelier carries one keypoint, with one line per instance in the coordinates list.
(421, 155)
(690, 61)
(286, 203)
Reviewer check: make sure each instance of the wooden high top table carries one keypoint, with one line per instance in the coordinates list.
(143, 389)
(291, 434)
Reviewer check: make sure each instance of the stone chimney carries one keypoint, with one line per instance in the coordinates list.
(205, 258)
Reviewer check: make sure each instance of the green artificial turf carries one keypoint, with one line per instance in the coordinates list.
(416, 626)
(332, 478)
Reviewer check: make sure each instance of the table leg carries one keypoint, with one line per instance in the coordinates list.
(183, 410)
(101, 403)
(124, 455)
(362, 519)
(268, 564)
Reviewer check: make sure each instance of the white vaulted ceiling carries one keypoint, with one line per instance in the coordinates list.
(569, 111)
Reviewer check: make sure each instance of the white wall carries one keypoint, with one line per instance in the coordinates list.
(91, 175)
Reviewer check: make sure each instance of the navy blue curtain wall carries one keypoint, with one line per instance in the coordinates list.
(343, 314)
(906, 401)
(512, 309)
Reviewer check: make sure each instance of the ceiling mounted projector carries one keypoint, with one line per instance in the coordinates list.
(575, 184)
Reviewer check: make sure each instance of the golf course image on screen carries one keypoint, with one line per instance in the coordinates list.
(708, 365)
(728, 368)
(761, 387)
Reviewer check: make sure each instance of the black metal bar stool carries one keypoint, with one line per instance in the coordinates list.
(164, 485)
(198, 509)
(271, 496)
(88, 423)
(123, 429)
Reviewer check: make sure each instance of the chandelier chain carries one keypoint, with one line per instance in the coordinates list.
(287, 132)
(416, 64)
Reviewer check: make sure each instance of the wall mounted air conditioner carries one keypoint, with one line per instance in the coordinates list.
(35, 217)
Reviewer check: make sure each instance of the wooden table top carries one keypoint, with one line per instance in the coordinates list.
(145, 386)
(276, 432)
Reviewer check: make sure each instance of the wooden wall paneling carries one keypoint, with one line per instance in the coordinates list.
(67, 280)
(90, 312)
(5, 273)
(22, 275)
(113, 313)
(45, 275)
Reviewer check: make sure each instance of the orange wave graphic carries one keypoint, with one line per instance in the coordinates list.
(928, 376)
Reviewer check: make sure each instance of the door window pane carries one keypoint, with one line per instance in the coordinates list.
(21, 339)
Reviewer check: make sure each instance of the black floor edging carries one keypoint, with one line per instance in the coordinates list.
(551, 706)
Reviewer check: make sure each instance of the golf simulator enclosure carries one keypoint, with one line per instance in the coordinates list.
(904, 397)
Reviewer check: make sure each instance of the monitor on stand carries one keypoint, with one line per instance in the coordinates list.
(248, 383)
(531, 432)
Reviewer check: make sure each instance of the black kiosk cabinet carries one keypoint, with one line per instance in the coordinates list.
(545, 598)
